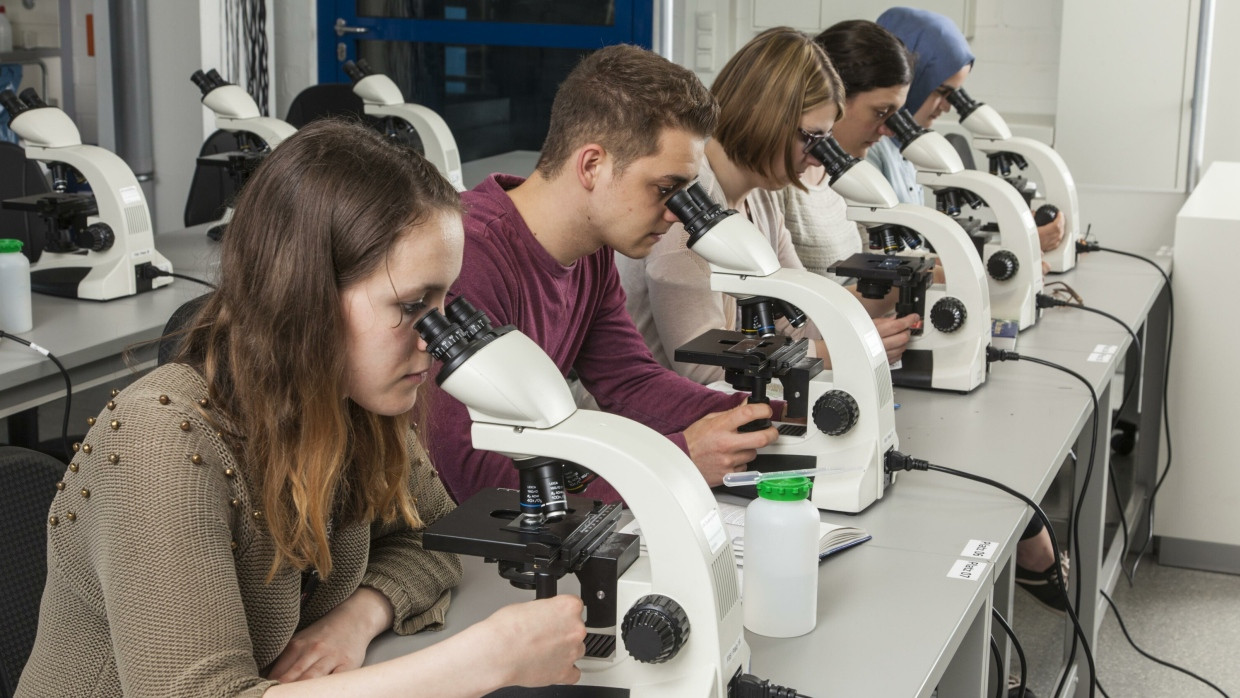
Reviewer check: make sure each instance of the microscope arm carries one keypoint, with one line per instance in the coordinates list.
(1057, 187)
(847, 330)
(951, 244)
(437, 141)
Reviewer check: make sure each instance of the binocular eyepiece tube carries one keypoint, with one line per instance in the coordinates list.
(832, 156)
(906, 129)
(356, 70)
(963, 103)
(696, 210)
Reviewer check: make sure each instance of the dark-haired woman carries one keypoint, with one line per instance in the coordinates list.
(244, 520)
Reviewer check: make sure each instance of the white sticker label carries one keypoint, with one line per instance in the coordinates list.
(130, 195)
(713, 528)
(1103, 353)
(875, 343)
(980, 549)
(971, 570)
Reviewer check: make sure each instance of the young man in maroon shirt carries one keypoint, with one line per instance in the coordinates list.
(627, 131)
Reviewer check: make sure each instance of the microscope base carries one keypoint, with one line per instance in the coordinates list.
(63, 282)
(917, 370)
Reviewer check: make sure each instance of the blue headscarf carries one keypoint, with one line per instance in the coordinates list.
(940, 49)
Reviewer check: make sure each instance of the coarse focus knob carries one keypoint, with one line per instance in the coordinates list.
(1002, 265)
(835, 413)
(96, 238)
(948, 314)
(654, 629)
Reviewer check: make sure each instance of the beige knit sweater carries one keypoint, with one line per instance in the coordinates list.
(157, 559)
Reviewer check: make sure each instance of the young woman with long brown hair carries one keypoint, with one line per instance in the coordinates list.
(244, 520)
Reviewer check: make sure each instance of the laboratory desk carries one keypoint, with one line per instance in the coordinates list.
(90, 337)
(891, 622)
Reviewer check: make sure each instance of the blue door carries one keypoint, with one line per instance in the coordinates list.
(489, 67)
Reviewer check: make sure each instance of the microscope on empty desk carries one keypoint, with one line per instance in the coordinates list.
(381, 98)
(237, 112)
(99, 244)
(992, 136)
(853, 410)
(681, 635)
(1014, 265)
(949, 351)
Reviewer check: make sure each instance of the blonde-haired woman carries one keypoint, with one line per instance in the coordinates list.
(777, 96)
(244, 520)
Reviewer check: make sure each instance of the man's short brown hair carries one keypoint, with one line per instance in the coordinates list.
(764, 89)
(622, 97)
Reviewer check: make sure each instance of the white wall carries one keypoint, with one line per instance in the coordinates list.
(1016, 41)
(1222, 128)
(176, 111)
(296, 51)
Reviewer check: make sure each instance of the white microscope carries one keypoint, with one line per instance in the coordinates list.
(1014, 265)
(100, 244)
(992, 136)
(682, 633)
(237, 113)
(852, 410)
(949, 351)
(381, 98)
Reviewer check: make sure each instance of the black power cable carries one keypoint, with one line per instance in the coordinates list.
(64, 425)
(1151, 657)
(1020, 651)
(894, 461)
(1000, 684)
(1045, 301)
(993, 354)
(1083, 246)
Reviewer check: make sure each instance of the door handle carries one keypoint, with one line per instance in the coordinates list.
(342, 28)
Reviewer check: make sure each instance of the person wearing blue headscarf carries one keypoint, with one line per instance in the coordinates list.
(942, 62)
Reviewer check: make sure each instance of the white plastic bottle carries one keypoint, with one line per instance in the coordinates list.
(15, 315)
(781, 559)
(6, 32)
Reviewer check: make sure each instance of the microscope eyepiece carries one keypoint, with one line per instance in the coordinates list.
(11, 103)
(906, 129)
(696, 210)
(445, 339)
(963, 103)
(353, 71)
(473, 321)
(828, 152)
(32, 99)
(214, 76)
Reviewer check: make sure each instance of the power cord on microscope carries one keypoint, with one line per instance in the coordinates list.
(150, 271)
(993, 355)
(64, 426)
(1086, 246)
(894, 461)
(750, 686)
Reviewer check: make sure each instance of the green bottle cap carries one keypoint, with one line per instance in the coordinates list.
(789, 489)
(9, 245)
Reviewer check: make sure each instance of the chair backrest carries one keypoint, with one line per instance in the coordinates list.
(28, 481)
(19, 177)
(961, 144)
(328, 99)
(169, 343)
(212, 188)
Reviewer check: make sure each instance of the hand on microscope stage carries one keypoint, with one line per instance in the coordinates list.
(896, 333)
(1051, 234)
(533, 643)
(717, 448)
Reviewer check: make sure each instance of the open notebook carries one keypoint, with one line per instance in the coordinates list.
(832, 538)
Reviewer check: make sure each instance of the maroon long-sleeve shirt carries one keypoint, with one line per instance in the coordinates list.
(576, 314)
